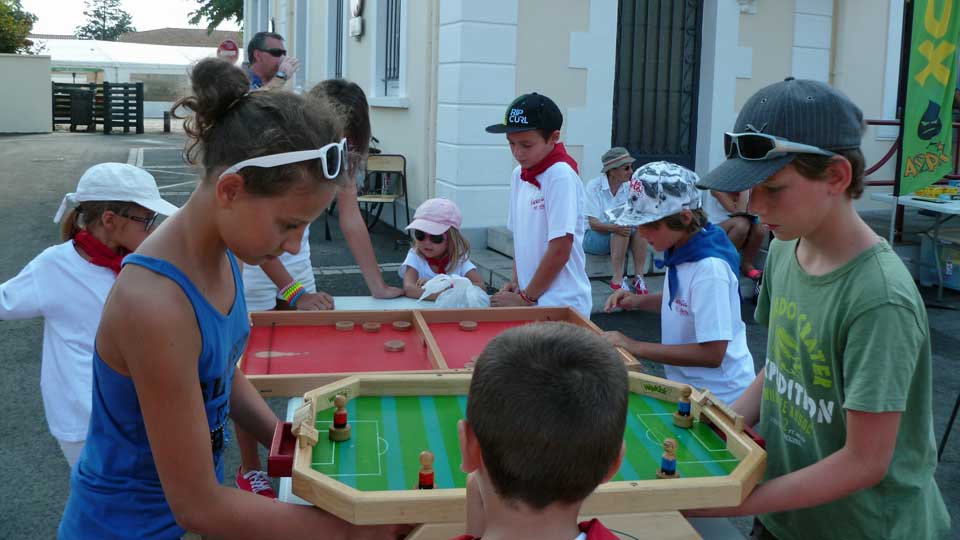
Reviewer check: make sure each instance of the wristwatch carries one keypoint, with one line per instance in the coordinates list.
(282, 75)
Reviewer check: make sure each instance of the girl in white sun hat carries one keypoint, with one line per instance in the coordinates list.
(438, 248)
(115, 208)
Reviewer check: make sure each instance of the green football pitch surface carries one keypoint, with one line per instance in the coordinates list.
(388, 434)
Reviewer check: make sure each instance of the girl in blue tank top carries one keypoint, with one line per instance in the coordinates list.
(164, 383)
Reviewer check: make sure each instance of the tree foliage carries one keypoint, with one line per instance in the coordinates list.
(15, 26)
(106, 21)
(217, 11)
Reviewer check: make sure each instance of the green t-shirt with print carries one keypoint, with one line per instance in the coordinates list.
(856, 338)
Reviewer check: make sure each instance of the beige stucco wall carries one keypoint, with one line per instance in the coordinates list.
(858, 61)
(543, 55)
(359, 55)
(769, 32)
(409, 128)
(317, 42)
(860, 35)
(405, 125)
(25, 107)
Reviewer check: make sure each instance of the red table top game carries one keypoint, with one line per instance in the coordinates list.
(291, 352)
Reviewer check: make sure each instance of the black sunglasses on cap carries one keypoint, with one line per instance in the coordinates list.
(275, 52)
(760, 146)
(435, 238)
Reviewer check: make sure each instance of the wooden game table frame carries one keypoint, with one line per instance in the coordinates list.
(447, 505)
(296, 384)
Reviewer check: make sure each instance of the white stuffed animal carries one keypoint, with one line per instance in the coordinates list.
(455, 292)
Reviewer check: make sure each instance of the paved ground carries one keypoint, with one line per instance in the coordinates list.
(39, 169)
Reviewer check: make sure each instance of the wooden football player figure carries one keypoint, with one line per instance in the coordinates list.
(668, 461)
(682, 417)
(340, 429)
(426, 470)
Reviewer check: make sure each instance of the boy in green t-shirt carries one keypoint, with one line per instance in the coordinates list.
(844, 399)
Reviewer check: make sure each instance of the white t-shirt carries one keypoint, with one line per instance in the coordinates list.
(69, 293)
(599, 199)
(707, 308)
(715, 211)
(419, 263)
(261, 292)
(540, 215)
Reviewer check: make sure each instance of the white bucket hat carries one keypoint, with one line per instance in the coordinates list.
(117, 182)
(657, 190)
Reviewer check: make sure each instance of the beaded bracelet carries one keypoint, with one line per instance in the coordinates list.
(526, 298)
(291, 293)
(293, 301)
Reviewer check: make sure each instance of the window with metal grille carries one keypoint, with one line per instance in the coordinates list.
(391, 72)
(658, 66)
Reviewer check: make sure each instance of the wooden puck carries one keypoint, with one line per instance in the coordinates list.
(401, 326)
(344, 326)
(394, 345)
(371, 327)
(468, 326)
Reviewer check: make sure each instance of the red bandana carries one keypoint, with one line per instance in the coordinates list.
(98, 252)
(439, 262)
(557, 155)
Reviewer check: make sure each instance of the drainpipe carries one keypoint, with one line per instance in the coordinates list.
(430, 134)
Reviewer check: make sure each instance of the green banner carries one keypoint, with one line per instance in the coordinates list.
(931, 82)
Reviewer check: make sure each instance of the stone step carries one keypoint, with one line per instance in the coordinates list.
(500, 240)
(496, 267)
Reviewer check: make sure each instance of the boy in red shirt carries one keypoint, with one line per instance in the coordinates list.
(544, 427)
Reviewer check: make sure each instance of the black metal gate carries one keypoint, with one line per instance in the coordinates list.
(658, 72)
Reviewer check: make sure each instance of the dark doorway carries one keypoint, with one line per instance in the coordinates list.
(658, 74)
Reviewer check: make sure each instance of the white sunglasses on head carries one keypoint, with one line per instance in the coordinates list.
(330, 156)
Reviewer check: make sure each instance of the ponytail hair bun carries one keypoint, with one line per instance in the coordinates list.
(217, 86)
(227, 123)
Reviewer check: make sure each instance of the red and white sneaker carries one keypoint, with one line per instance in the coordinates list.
(256, 482)
(639, 286)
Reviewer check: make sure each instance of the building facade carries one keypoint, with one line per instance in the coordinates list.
(665, 78)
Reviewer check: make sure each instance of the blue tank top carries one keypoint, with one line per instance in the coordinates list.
(115, 491)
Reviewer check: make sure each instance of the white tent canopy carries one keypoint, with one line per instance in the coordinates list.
(120, 55)
(159, 66)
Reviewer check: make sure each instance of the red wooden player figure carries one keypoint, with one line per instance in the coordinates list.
(340, 415)
(340, 429)
(426, 470)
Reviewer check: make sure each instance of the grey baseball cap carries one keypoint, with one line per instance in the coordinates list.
(798, 110)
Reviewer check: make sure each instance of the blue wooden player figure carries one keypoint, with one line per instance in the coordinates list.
(668, 461)
(682, 417)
